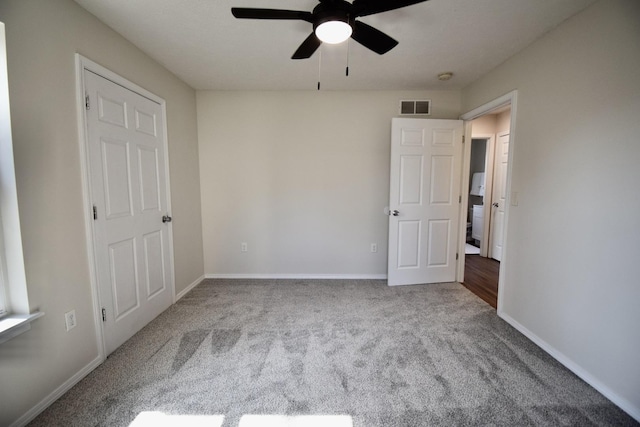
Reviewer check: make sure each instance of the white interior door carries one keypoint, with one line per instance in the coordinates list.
(499, 197)
(426, 161)
(126, 149)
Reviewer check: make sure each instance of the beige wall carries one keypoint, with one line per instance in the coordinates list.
(571, 277)
(492, 124)
(42, 38)
(503, 121)
(485, 125)
(301, 177)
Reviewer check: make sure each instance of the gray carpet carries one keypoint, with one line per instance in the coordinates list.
(424, 355)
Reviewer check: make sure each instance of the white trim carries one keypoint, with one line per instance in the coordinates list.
(464, 201)
(296, 276)
(505, 99)
(15, 296)
(489, 173)
(621, 402)
(57, 393)
(83, 63)
(13, 325)
(87, 197)
(510, 98)
(188, 288)
(507, 209)
(96, 68)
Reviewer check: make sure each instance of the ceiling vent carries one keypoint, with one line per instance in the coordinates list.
(420, 107)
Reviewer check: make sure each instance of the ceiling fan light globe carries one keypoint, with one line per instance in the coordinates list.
(333, 32)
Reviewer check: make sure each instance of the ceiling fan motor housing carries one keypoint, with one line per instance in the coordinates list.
(335, 12)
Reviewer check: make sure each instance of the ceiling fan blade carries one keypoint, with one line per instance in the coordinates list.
(253, 13)
(369, 7)
(308, 47)
(372, 39)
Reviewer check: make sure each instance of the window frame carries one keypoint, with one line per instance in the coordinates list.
(3, 275)
(16, 314)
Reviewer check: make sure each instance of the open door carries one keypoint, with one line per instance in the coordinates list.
(426, 159)
(499, 198)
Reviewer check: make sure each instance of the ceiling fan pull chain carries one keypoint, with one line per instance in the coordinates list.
(347, 70)
(319, 67)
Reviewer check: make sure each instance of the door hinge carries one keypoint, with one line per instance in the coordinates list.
(463, 138)
(87, 104)
(456, 256)
(459, 199)
(104, 314)
(95, 213)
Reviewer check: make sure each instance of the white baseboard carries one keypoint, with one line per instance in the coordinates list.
(621, 402)
(188, 288)
(55, 395)
(297, 276)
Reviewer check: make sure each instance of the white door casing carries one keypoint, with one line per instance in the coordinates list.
(426, 160)
(509, 99)
(499, 197)
(126, 149)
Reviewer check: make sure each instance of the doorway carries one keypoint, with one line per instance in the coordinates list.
(475, 239)
(487, 173)
(481, 272)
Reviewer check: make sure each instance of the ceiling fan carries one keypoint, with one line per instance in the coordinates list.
(334, 21)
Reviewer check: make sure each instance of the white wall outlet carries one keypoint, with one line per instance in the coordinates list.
(374, 247)
(244, 247)
(70, 320)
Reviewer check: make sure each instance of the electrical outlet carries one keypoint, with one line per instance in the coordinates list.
(374, 247)
(70, 320)
(244, 247)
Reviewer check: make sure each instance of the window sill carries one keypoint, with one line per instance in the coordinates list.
(15, 324)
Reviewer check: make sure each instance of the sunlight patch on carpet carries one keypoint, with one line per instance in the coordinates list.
(295, 421)
(160, 419)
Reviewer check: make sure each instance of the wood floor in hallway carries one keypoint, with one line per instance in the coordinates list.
(481, 278)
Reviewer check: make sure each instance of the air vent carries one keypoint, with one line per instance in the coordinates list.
(415, 107)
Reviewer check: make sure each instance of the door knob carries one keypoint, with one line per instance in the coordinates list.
(395, 212)
(495, 205)
(166, 218)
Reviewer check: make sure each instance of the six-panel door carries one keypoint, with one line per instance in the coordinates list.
(424, 189)
(129, 190)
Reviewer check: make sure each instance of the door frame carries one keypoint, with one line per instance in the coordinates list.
(82, 64)
(511, 99)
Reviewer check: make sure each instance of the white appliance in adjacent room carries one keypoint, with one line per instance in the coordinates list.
(477, 222)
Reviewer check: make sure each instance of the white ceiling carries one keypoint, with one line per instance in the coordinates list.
(203, 44)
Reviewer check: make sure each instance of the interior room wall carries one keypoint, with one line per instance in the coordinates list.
(484, 125)
(570, 277)
(42, 39)
(301, 177)
(503, 121)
